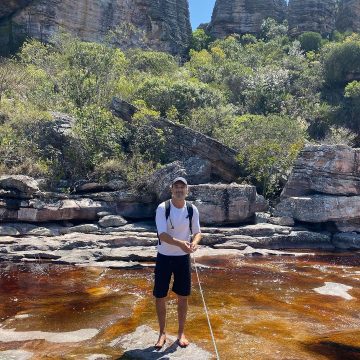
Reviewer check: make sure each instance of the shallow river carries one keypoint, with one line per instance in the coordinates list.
(280, 307)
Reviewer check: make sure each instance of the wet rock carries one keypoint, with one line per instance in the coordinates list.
(282, 221)
(101, 214)
(234, 244)
(15, 354)
(83, 228)
(133, 253)
(293, 240)
(112, 221)
(262, 217)
(347, 241)
(319, 208)
(8, 230)
(335, 289)
(299, 240)
(348, 225)
(250, 230)
(140, 345)
(141, 226)
(67, 209)
(226, 204)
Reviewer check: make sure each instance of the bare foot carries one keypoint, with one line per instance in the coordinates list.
(183, 341)
(161, 341)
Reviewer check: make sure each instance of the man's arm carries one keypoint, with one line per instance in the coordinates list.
(183, 245)
(196, 238)
(195, 242)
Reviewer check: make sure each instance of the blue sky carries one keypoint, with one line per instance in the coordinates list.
(200, 11)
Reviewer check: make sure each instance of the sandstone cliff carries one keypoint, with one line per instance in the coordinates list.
(244, 16)
(349, 16)
(165, 23)
(312, 15)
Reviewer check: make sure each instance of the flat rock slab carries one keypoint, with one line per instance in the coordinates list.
(140, 345)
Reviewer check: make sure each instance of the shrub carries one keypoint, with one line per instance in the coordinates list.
(310, 41)
(341, 61)
(267, 147)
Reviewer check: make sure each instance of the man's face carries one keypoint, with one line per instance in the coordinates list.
(179, 190)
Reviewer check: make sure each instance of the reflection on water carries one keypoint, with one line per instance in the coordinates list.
(261, 308)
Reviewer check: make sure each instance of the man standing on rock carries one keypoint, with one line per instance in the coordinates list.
(179, 234)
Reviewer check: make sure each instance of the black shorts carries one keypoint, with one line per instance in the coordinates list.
(166, 265)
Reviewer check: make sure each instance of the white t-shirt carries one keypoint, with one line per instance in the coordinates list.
(181, 230)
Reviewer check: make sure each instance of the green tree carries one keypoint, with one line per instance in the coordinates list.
(200, 40)
(341, 60)
(352, 94)
(162, 94)
(267, 147)
(310, 41)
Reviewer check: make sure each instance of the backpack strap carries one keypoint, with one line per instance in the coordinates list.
(167, 214)
(190, 211)
(167, 209)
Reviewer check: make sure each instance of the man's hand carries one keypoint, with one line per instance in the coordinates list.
(194, 247)
(185, 246)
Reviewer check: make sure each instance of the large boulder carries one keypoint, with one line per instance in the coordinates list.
(165, 24)
(320, 208)
(242, 16)
(226, 204)
(22, 185)
(184, 143)
(325, 169)
(195, 170)
(324, 186)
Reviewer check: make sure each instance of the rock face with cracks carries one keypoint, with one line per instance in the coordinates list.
(348, 18)
(324, 186)
(244, 16)
(162, 25)
(312, 15)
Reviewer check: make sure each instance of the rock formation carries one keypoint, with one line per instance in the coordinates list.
(244, 16)
(165, 24)
(324, 186)
(312, 15)
(349, 16)
(184, 143)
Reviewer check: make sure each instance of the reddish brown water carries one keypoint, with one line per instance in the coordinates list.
(260, 307)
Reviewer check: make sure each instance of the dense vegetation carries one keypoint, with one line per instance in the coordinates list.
(266, 97)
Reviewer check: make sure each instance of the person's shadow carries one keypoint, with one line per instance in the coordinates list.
(149, 353)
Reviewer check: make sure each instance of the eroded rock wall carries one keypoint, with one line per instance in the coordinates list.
(312, 15)
(244, 16)
(164, 23)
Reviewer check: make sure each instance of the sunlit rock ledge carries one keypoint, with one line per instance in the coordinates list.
(134, 245)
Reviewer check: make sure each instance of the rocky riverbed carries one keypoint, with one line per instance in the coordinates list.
(134, 245)
(261, 307)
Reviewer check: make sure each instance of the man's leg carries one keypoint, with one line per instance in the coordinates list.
(161, 314)
(182, 312)
(161, 287)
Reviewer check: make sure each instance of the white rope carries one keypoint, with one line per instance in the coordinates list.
(206, 310)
